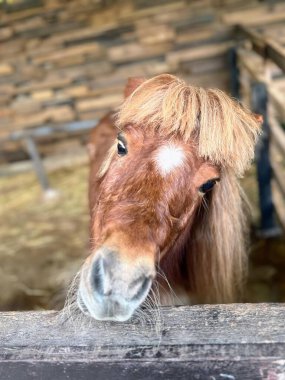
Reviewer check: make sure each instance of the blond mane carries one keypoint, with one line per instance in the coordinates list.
(226, 131)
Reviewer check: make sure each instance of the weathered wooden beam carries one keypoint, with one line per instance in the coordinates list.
(238, 341)
(278, 100)
(50, 130)
(276, 53)
(279, 203)
(258, 43)
(267, 48)
(252, 64)
(256, 15)
(32, 149)
(277, 134)
(278, 174)
(259, 102)
(51, 163)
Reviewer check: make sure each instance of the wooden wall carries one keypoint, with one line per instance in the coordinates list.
(69, 60)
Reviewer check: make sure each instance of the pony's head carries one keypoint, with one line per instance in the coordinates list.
(168, 197)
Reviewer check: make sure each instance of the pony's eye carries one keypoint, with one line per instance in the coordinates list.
(207, 186)
(122, 150)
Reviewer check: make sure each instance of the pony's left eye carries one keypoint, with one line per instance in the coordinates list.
(207, 186)
(122, 150)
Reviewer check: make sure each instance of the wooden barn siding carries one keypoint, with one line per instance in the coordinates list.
(241, 341)
(68, 60)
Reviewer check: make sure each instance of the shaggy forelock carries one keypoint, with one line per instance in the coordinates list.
(225, 131)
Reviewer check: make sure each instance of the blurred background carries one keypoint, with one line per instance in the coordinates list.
(63, 65)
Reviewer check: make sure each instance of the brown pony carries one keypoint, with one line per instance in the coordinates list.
(166, 207)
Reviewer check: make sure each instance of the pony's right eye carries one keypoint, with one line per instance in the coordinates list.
(207, 186)
(122, 150)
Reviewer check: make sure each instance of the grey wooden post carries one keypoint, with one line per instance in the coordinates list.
(38, 165)
(234, 73)
(268, 224)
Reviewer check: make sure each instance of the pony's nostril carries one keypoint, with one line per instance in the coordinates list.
(145, 285)
(97, 276)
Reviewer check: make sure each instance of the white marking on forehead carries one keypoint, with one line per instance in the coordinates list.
(169, 157)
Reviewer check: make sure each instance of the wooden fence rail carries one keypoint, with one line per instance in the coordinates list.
(265, 47)
(31, 136)
(241, 341)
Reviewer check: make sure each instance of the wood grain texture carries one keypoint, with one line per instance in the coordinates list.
(241, 341)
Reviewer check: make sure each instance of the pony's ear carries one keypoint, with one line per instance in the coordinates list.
(132, 84)
(258, 118)
(91, 150)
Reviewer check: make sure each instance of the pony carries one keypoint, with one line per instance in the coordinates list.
(168, 215)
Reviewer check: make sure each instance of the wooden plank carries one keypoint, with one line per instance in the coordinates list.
(55, 162)
(12, 47)
(6, 33)
(53, 115)
(134, 52)
(97, 103)
(89, 115)
(274, 31)
(196, 19)
(186, 18)
(25, 105)
(146, 68)
(278, 100)
(220, 80)
(76, 91)
(7, 89)
(206, 66)
(93, 48)
(276, 52)
(267, 48)
(30, 24)
(48, 130)
(151, 11)
(201, 52)
(211, 33)
(43, 95)
(17, 16)
(6, 69)
(253, 64)
(256, 15)
(280, 83)
(200, 34)
(155, 34)
(278, 173)
(49, 82)
(60, 78)
(258, 43)
(277, 134)
(239, 341)
(81, 34)
(5, 112)
(279, 203)
(50, 29)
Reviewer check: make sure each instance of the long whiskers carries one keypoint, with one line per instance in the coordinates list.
(71, 312)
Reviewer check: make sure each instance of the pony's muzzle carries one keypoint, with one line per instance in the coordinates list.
(112, 288)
